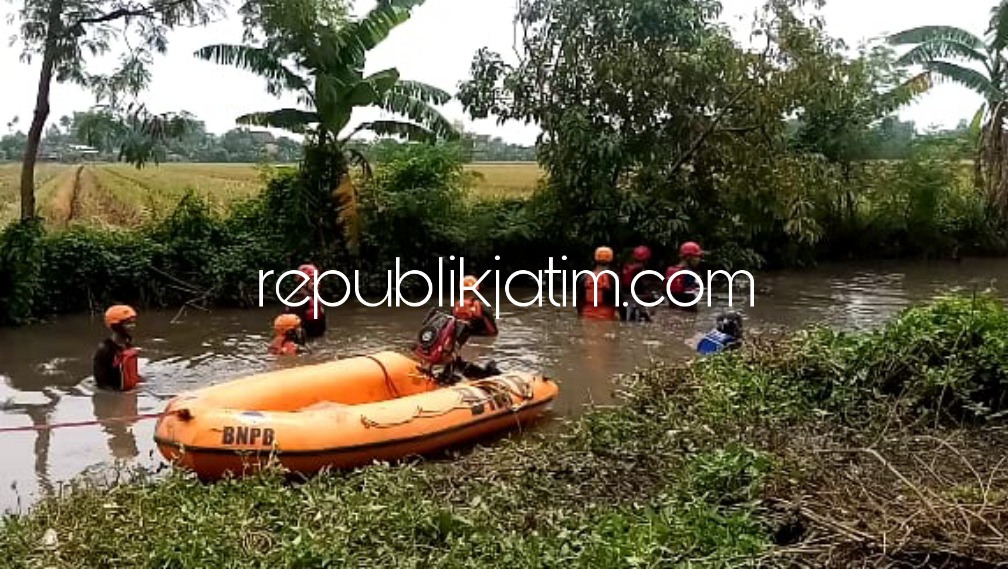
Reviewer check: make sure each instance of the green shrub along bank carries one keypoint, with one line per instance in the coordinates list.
(801, 450)
(419, 208)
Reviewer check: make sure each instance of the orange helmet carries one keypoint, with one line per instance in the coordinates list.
(469, 281)
(118, 314)
(285, 323)
(603, 255)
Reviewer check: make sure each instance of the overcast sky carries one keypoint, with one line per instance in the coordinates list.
(436, 46)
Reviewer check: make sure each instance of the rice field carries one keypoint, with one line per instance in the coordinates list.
(121, 195)
(505, 179)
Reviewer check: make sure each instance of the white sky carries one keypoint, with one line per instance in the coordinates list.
(437, 45)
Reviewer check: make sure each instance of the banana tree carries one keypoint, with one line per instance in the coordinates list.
(323, 64)
(977, 63)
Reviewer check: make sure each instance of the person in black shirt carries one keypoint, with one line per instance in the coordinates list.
(313, 323)
(115, 363)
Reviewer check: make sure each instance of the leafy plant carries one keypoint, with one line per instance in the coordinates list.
(309, 51)
(979, 64)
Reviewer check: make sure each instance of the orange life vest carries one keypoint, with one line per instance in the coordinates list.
(469, 310)
(282, 346)
(126, 362)
(595, 306)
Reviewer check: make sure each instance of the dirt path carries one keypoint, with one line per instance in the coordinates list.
(64, 206)
(75, 199)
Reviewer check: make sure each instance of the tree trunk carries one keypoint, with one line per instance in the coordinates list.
(54, 29)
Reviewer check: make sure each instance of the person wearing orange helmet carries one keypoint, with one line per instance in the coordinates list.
(477, 316)
(629, 310)
(288, 335)
(476, 319)
(312, 322)
(115, 365)
(596, 291)
(684, 287)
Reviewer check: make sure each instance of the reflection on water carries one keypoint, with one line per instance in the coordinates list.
(45, 369)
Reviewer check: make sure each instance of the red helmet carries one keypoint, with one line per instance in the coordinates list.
(309, 270)
(690, 249)
(642, 253)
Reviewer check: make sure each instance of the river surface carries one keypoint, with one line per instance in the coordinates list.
(45, 369)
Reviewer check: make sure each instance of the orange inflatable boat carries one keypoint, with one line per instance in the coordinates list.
(339, 415)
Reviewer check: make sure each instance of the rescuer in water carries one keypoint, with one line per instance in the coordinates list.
(312, 322)
(288, 336)
(629, 309)
(441, 337)
(596, 297)
(115, 365)
(684, 287)
(726, 335)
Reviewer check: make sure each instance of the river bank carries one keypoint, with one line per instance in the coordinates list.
(46, 378)
(814, 447)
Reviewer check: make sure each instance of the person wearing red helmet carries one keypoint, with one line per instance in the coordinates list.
(684, 287)
(115, 364)
(597, 291)
(313, 322)
(629, 309)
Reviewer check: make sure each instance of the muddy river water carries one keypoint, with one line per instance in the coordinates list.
(45, 369)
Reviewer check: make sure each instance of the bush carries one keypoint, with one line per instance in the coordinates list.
(191, 256)
(21, 270)
(946, 361)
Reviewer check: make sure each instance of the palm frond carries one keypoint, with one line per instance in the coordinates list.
(354, 40)
(422, 91)
(964, 76)
(330, 105)
(260, 61)
(903, 94)
(293, 120)
(977, 123)
(410, 131)
(943, 49)
(999, 26)
(372, 88)
(357, 158)
(924, 34)
(419, 112)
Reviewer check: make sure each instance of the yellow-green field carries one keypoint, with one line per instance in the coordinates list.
(505, 179)
(121, 195)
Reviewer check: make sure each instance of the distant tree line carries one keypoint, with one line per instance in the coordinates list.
(889, 139)
(90, 135)
(475, 148)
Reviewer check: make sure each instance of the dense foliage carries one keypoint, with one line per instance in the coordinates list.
(658, 127)
(725, 461)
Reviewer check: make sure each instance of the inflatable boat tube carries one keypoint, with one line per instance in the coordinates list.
(337, 415)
